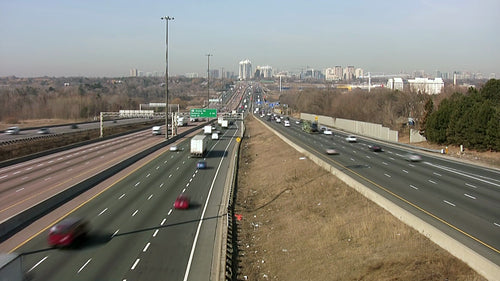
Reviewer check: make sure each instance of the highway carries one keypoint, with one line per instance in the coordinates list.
(460, 199)
(136, 234)
(30, 182)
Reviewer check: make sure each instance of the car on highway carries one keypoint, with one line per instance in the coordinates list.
(278, 120)
(328, 132)
(43, 131)
(297, 122)
(174, 148)
(286, 123)
(181, 202)
(74, 126)
(12, 131)
(331, 151)
(351, 138)
(215, 136)
(67, 232)
(201, 165)
(375, 148)
(412, 157)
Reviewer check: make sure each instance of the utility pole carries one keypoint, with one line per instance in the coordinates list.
(208, 78)
(166, 74)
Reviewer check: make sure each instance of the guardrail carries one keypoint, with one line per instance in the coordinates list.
(21, 220)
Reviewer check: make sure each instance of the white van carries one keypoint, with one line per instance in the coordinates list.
(215, 136)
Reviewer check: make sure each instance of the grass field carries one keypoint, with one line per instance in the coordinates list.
(301, 223)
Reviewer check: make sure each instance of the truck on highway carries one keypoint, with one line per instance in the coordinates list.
(182, 121)
(207, 130)
(225, 124)
(199, 145)
(156, 130)
(310, 127)
(11, 267)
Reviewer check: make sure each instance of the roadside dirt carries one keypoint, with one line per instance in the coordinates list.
(299, 222)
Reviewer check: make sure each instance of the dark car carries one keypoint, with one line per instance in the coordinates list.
(201, 165)
(375, 148)
(74, 126)
(181, 202)
(44, 131)
(67, 232)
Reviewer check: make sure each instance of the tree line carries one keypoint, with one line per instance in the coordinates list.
(471, 119)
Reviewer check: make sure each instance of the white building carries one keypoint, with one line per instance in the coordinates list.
(334, 74)
(395, 83)
(426, 85)
(266, 71)
(358, 73)
(245, 70)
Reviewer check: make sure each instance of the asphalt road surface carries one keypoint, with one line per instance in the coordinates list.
(136, 234)
(460, 199)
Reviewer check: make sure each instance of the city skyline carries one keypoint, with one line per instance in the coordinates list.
(108, 39)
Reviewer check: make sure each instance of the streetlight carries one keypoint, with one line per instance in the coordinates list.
(208, 79)
(166, 75)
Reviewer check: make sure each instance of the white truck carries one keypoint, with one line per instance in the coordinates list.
(11, 267)
(207, 130)
(182, 121)
(225, 124)
(199, 145)
(156, 130)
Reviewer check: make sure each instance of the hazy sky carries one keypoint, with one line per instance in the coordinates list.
(108, 38)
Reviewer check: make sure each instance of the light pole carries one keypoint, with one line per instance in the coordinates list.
(208, 79)
(166, 74)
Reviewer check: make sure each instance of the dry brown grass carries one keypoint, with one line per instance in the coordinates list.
(301, 223)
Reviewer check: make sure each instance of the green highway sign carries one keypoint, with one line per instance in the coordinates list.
(203, 113)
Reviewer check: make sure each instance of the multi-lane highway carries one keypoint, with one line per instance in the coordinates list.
(460, 199)
(136, 234)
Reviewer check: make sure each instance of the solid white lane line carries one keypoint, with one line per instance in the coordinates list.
(449, 203)
(38, 263)
(83, 266)
(470, 196)
(102, 212)
(414, 187)
(135, 264)
(146, 247)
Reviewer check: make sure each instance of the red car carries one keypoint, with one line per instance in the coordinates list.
(67, 232)
(182, 202)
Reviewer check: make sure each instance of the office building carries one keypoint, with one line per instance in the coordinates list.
(245, 70)
(426, 85)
